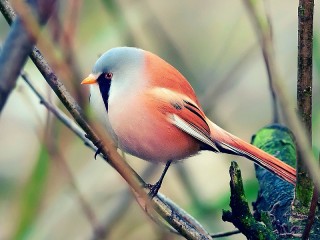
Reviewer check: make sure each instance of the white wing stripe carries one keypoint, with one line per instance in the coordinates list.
(191, 130)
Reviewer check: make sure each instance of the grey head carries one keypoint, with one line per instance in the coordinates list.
(119, 59)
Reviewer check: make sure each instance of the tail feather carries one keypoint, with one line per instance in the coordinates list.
(232, 144)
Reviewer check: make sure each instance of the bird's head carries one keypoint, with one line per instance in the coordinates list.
(116, 68)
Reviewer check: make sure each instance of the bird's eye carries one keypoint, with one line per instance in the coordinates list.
(108, 75)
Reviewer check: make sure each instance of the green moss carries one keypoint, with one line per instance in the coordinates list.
(301, 11)
(303, 197)
(270, 139)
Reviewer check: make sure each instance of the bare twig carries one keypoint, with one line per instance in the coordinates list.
(268, 36)
(68, 122)
(264, 29)
(225, 234)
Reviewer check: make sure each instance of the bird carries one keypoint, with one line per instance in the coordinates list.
(152, 112)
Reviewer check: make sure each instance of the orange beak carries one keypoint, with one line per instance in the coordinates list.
(90, 79)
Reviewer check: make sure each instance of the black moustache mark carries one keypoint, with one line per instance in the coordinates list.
(104, 86)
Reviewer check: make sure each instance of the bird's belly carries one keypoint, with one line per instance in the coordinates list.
(148, 134)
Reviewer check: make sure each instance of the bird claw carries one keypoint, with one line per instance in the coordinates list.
(97, 153)
(154, 189)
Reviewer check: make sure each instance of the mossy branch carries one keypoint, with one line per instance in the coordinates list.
(304, 95)
(240, 214)
(275, 195)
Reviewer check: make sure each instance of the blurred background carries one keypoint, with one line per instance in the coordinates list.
(50, 185)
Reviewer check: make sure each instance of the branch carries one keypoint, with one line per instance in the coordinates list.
(305, 45)
(240, 215)
(18, 45)
(304, 95)
(275, 195)
(306, 194)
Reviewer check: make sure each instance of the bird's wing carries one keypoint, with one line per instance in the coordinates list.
(185, 115)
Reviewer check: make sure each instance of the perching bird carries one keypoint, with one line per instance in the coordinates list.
(153, 113)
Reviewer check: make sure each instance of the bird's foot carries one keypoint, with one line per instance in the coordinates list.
(97, 153)
(154, 189)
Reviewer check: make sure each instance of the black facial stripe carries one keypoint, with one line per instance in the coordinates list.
(104, 86)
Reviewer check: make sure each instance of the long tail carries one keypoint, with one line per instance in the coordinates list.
(234, 145)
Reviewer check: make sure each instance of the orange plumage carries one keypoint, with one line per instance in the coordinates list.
(155, 115)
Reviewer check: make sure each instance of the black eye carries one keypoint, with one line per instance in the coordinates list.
(108, 75)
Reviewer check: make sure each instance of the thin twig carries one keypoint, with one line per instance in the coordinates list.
(68, 122)
(268, 36)
(311, 214)
(221, 234)
(225, 234)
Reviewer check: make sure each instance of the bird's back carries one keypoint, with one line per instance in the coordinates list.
(162, 74)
